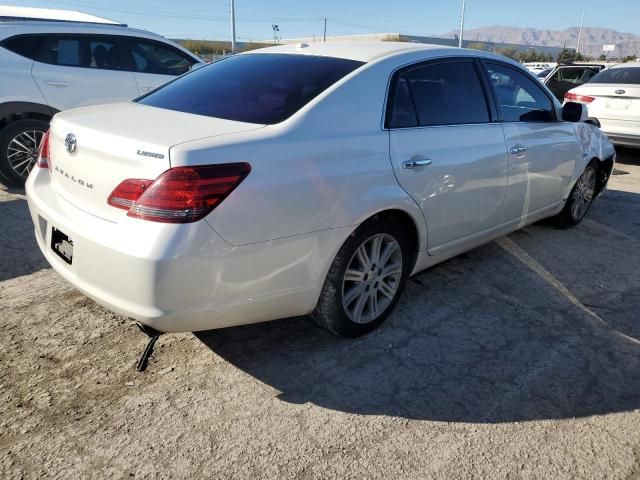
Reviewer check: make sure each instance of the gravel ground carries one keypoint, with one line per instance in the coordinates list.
(519, 359)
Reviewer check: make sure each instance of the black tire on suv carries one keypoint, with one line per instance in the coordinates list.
(19, 143)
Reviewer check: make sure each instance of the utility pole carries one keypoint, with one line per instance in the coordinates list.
(233, 27)
(461, 25)
(581, 27)
(324, 35)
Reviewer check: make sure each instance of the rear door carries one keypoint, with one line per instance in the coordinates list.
(567, 77)
(542, 149)
(78, 70)
(446, 151)
(154, 63)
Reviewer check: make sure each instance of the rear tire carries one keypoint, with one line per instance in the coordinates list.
(580, 199)
(366, 279)
(19, 144)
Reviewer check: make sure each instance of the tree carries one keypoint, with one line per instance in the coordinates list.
(602, 58)
(478, 46)
(509, 52)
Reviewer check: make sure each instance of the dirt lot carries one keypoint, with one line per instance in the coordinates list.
(520, 359)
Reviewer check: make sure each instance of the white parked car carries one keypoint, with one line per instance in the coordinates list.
(613, 97)
(50, 66)
(309, 179)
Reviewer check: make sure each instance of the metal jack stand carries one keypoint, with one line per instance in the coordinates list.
(153, 335)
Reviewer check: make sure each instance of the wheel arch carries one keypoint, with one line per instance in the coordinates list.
(13, 111)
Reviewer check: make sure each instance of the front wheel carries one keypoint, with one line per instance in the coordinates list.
(580, 198)
(365, 279)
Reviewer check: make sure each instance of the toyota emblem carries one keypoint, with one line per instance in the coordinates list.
(620, 92)
(70, 143)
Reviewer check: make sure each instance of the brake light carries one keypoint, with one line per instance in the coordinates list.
(43, 152)
(181, 194)
(574, 97)
(127, 193)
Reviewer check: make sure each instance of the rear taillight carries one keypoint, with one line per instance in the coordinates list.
(44, 160)
(181, 194)
(128, 192)
(574, 97)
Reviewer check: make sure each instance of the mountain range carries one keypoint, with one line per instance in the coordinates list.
(593, 38)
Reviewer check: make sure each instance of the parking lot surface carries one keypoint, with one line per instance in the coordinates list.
(519, 359)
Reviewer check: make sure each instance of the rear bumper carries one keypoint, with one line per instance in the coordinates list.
(180, 277)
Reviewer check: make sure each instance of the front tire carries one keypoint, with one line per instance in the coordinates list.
(19, 145)
(580, 198)
(365, 279)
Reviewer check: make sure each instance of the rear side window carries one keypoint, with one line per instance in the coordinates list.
(520, 98)
(154, 57)
(26, 45)
(447, 93)
(261, 88)
(626, 75)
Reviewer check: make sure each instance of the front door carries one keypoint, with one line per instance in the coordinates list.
(542, 149)
(445, 150)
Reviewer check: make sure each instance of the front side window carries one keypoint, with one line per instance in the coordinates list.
(520, 98)
(446, 93)
(262, 88)
(153, 57)
(575, 76)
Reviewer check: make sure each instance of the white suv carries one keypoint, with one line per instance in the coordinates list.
(49, 66)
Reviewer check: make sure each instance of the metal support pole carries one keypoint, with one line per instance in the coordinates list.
(461, 25)
(233, 26)
(581, 27)
(324, 35)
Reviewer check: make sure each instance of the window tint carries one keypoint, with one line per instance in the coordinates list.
(627, 75)
(82, 51)
(446, 93)
(256, 88)
(25, 45)
(520, 98)
(154, 57)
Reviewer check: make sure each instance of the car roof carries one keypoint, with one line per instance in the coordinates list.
(367, 51)
(627, 65)
(18, 27)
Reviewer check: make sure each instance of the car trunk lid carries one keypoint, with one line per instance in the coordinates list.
(612, 101)
(118, 142)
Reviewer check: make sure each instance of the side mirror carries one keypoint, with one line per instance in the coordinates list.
(574, 112)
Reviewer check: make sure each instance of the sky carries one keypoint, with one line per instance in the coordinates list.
(209, 19)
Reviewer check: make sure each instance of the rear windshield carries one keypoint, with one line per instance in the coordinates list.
(259, 88)
(628, 75)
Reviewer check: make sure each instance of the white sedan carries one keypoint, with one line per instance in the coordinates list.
(613, 97)
(305, 179)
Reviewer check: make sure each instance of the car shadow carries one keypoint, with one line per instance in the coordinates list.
(20, 252)
(482, 338)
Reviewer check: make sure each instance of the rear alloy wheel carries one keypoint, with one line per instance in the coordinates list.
(19, 145)
(580, 198)
(365, 279)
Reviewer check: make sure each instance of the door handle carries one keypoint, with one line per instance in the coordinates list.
(518, 149)
(422, 162)
(146, 89)
(57, 83)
